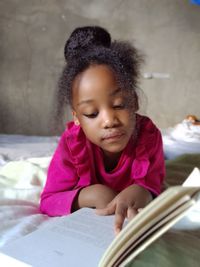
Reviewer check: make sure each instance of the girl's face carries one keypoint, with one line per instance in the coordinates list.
(101, 109)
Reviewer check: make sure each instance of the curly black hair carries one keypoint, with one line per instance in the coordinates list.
(92, 45)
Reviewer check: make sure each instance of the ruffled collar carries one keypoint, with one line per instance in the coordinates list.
(82, 150)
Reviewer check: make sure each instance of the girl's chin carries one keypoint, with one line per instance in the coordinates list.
(113, 149)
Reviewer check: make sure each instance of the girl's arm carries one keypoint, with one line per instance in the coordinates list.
(62, 184)
(65, 192)
(154, 177)
(94, 196)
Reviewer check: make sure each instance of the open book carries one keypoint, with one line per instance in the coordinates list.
(86, 239)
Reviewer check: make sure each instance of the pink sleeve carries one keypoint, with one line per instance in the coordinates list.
(153, 165)
(156, 171)
(62, 183)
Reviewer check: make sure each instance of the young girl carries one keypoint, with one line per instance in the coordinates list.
(109, 158)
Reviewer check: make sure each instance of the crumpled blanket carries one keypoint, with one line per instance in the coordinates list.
(21, 183)
(183, 138)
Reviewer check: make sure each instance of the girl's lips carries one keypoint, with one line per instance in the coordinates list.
(113, 136)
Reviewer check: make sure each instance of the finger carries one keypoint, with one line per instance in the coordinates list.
(109, 210)
(120, 215)
(131, 212)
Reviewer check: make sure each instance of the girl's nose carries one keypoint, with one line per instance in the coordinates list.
(109, 119)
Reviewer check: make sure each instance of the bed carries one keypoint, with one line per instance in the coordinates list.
(23, 165)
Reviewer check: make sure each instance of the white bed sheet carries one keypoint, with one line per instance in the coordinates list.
(23, 165)
(183, 138)
(19, 147)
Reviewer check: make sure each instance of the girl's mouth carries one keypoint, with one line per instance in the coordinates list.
(113, 136)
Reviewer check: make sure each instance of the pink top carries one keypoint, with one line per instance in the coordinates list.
(78, 163)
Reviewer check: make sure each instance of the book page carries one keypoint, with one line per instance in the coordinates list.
(193, 179)
(9, 261)
(152, 213)
(152, 227)
(78, 239)
(153, 233)
(192, 219)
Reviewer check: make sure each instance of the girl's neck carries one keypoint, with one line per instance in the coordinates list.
(111, 160)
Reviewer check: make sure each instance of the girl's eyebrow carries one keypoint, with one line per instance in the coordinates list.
(87, 101)
(115, 92)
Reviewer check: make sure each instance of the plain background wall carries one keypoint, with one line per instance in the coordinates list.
(32, 38)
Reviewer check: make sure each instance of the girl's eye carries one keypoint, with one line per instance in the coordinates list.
(91, 115)
(120, 106)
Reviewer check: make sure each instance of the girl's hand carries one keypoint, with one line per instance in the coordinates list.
(94, 196)
(126, 204)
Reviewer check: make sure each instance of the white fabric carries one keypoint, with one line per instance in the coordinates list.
(20, 147)
(23, 165)
(21, 183)
(184, 138)
(186, 131)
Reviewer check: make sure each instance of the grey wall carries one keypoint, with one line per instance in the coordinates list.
(32, 37)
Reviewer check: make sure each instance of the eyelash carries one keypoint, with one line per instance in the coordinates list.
(91, 116)
(121, 106)
(94, 115)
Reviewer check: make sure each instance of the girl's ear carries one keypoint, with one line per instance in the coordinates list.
(76, 120)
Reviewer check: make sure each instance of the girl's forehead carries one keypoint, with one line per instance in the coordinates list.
(94, 81)
(97, 73)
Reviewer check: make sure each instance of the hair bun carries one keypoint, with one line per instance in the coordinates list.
(83, 38)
